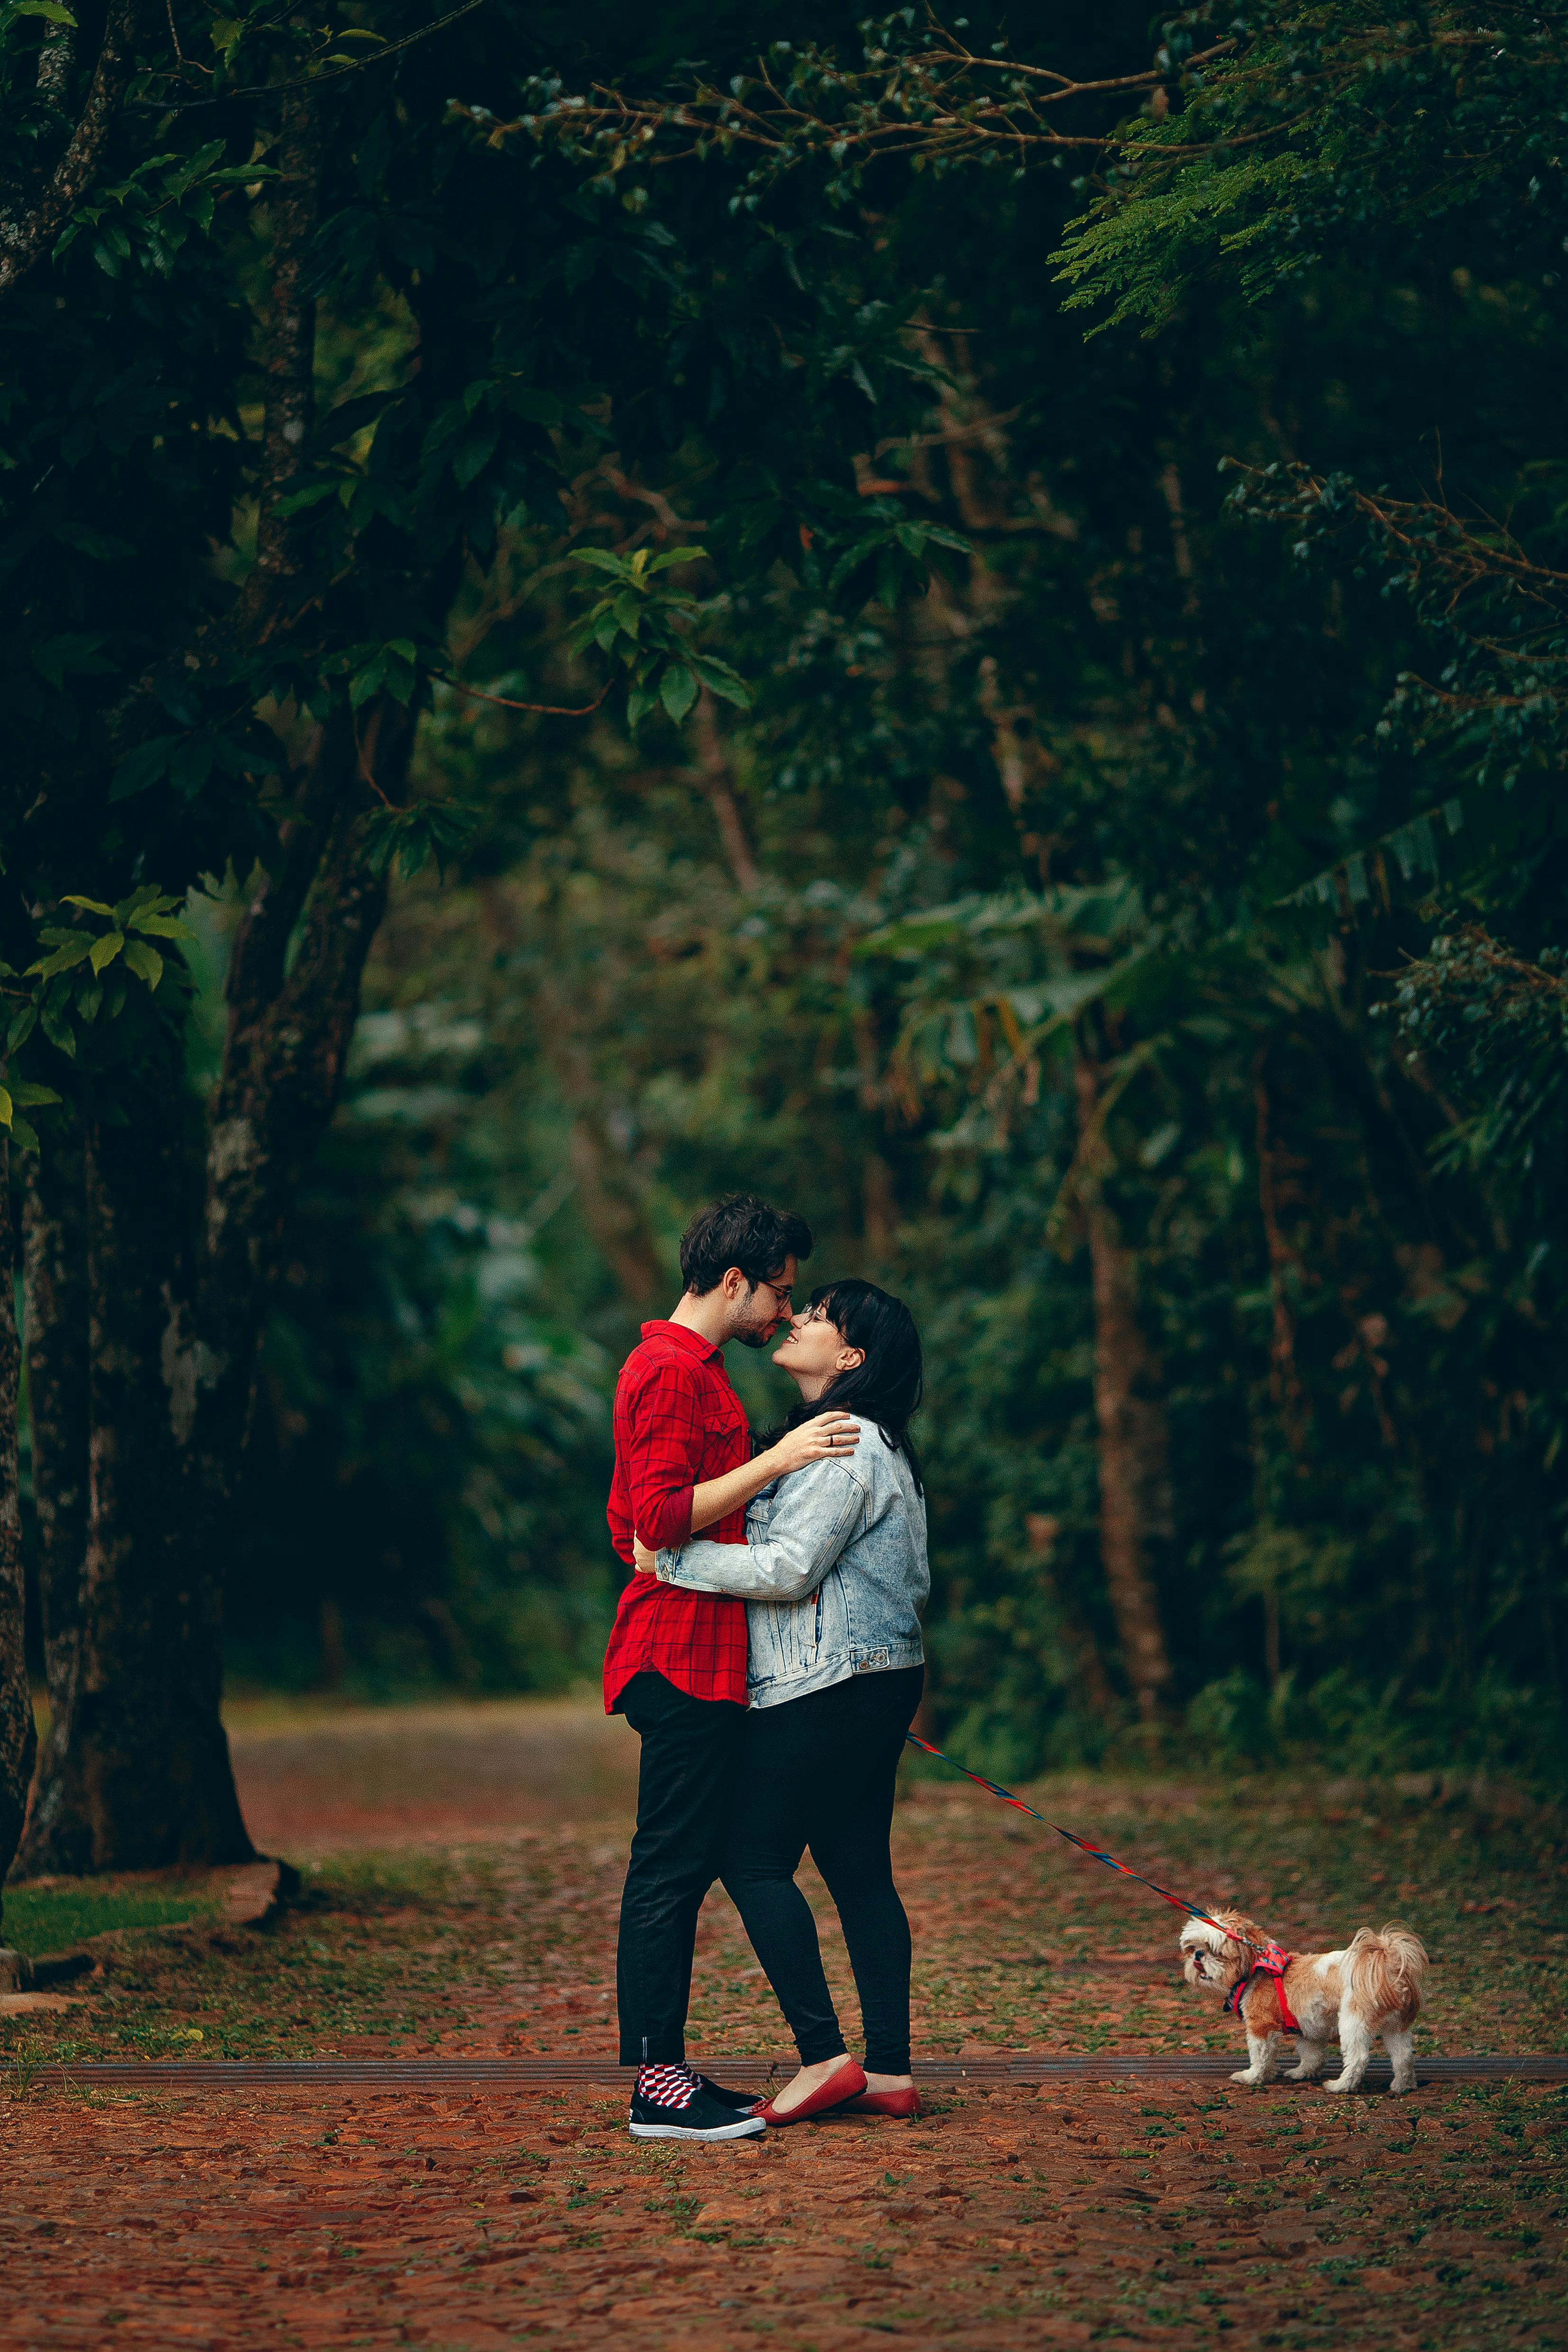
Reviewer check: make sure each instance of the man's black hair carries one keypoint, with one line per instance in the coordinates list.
(743, 1232)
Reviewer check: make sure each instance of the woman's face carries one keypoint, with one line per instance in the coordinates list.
(813, 1352)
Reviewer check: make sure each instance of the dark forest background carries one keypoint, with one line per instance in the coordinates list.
(1100, 861)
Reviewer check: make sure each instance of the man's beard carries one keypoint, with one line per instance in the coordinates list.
(757, 1336)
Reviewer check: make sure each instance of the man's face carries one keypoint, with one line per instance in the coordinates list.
(757, 1311)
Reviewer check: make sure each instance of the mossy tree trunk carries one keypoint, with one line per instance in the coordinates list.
(137, 1775)
(181, 1259)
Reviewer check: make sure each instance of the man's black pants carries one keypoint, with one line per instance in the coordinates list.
(689, 1752)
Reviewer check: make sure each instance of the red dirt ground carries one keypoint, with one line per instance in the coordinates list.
(1118, 2213)
(338, 2219)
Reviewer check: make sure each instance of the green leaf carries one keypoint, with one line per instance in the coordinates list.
(602, 561)
(534, 408)
(21, 1028)
(721, 680)
(162, 927)
(7, 1112)
(351, 416)
(92, 905)
(105, 949)
(141, 768)
(473, 454)
(676, 555)
(678, 692)
(144, 962)
(76, 946)
(312, 495)
(140, 902)
(25, 1134)
(29, 1097)
(58, 1031)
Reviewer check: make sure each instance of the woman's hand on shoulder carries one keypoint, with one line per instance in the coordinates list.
(831, 1436)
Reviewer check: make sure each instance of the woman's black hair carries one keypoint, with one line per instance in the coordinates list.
(887, 1388)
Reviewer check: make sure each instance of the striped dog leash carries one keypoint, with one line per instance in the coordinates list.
(1095, 1852)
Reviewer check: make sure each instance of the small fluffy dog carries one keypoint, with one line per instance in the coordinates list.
(1374, 1987)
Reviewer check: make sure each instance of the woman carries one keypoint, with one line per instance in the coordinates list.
(834, 1567)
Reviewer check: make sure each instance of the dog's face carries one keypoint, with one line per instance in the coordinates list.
(1213, 1957)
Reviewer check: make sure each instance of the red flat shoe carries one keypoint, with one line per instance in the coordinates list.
(903, 2103)
(845, 2082)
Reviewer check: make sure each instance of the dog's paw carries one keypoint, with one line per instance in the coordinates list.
(1247, 2075)
(1339, 2083)
(1399, 2089)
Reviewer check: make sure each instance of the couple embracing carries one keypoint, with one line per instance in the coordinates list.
(767, 1651)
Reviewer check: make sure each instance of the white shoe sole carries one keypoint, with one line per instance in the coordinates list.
(743, 2127)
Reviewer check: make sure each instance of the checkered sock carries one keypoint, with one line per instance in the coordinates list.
(667, 2086)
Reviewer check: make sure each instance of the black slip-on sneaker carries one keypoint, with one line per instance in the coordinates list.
(702, 2117)
(742, 2102)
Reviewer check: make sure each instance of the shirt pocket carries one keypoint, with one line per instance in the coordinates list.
(726, 1430)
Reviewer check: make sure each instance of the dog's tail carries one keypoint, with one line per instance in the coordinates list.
(1386, 1972)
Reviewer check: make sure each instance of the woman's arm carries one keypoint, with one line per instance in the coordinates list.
(818, 1440)
(812, 1521)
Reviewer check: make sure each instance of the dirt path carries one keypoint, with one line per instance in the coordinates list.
(313, 1781)
(1114, 2212)
(1001, 2220)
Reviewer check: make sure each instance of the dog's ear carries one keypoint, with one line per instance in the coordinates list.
(1245, 1934)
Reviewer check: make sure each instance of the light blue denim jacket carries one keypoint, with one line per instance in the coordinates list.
(834, 1567)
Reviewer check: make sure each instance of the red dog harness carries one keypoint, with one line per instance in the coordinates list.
(1273, 1962)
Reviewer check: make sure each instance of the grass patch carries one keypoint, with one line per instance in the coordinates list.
(390, 1945)
(51, 1918)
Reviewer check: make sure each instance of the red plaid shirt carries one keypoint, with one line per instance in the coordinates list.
(677, 1423)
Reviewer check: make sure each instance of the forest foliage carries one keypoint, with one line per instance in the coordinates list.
(967, 634)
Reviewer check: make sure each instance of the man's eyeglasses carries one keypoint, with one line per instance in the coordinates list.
(780, 1296)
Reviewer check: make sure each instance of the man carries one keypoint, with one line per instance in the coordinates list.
(676, 1663)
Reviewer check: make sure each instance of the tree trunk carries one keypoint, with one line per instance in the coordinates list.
(139, 1774)
(289, 1035)
(55, 1324)
(17, 1739)
(1130, 1414)
(612, 1213)
(1041, 1532)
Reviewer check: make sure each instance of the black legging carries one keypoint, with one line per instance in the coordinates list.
(819, 1772)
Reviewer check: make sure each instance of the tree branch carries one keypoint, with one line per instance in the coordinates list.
(23, 241)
